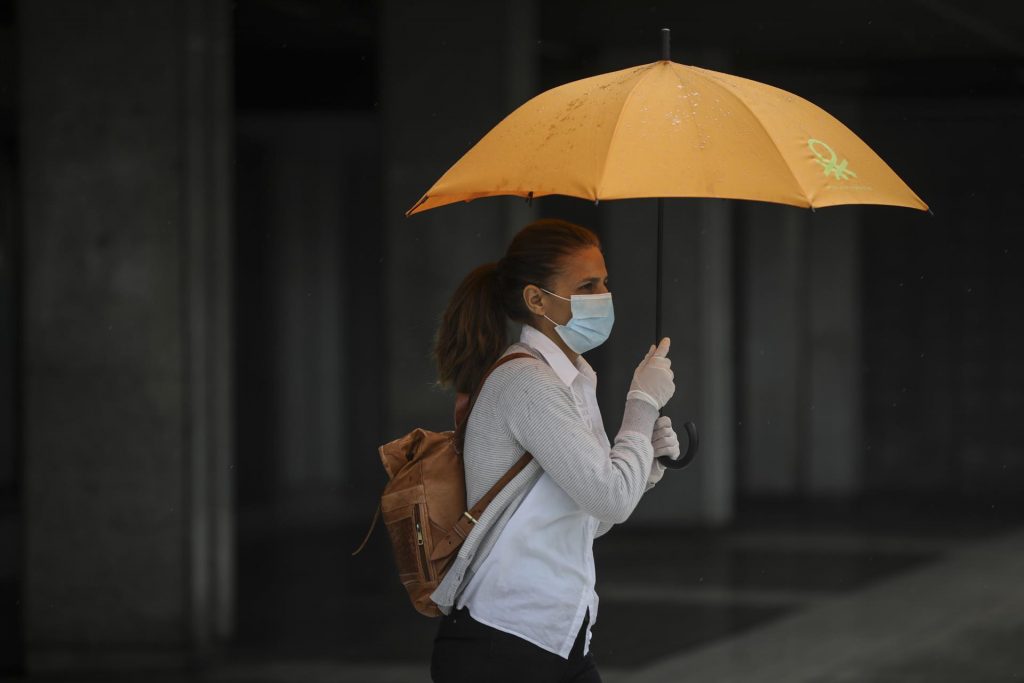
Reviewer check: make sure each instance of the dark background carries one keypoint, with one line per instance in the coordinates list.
(212, 311)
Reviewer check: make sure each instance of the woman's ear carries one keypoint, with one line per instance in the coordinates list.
(533, 299)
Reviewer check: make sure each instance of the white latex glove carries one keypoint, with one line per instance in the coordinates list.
(653, 380)
(664, 438)
(665, 442)
(657, 472)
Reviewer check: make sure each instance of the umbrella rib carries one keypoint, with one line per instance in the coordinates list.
(725, 87)
(615, 130)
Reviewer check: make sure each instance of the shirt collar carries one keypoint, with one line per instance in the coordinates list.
(556, 358)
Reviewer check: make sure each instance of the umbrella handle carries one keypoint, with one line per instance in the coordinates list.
(693, 443)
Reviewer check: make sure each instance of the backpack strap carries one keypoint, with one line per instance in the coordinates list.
(464, 525)
(373, 525)
(460, 424)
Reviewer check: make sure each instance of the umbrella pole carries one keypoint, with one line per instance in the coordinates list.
(666, 54)
(658, 270)
(693, 441)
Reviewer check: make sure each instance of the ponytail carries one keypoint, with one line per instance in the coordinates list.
(472, 334)
(472, 331)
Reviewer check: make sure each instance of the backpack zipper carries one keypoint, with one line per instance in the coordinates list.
(419, 542)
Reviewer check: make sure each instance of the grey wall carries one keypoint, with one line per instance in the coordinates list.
(126, 409)
(943, 326)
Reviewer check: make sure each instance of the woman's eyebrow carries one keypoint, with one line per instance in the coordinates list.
(591, 279)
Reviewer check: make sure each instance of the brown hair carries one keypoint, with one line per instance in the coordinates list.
(472, 335)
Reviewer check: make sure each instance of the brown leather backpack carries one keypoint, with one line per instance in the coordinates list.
(424, 501)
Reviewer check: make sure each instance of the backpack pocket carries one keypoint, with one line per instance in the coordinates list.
(405, 517)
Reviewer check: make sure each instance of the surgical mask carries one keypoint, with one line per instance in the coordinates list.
(591, 322)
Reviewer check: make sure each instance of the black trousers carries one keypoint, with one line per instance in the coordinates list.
(466, 650)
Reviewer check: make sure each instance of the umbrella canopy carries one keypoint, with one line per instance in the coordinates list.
(668, 130)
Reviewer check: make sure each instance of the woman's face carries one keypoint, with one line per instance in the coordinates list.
(583, 272)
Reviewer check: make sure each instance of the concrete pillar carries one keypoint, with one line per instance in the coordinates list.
(834, 462)
(801, 414)
(715, 469)
(125, 152)
(771, 346)
(449, 74)
(8, 321)
(11, 546)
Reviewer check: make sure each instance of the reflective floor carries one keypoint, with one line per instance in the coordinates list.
(789, 593)
(665, 594)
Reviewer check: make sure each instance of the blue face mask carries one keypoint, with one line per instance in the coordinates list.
(591, 322)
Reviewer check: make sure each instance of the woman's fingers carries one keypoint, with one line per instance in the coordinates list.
(663, 434)
(672, 453)
(665, 441)
(663, 347)
(660, 363)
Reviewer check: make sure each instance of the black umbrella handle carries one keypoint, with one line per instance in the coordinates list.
(693, 443)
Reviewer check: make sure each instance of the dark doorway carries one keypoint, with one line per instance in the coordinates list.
(10, 367)
(307, 259)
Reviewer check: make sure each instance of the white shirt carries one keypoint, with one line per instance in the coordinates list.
(537, 582)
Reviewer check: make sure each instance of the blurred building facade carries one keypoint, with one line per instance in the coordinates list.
(212, 308)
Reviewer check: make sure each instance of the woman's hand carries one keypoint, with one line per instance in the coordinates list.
(664, 438)
(665, 442)
(653, 380)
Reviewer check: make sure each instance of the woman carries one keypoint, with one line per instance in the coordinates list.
(519, 599)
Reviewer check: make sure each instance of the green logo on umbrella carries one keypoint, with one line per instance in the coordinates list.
(829, 160)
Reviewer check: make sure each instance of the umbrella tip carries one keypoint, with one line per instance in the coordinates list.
(416, 206)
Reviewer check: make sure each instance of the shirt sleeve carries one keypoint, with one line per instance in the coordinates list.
(657, 472)
(652, 480)
(540, 414)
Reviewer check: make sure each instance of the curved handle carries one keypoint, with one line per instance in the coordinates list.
(693, 443)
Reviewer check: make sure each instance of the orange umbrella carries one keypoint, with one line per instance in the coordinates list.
(668, 130)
